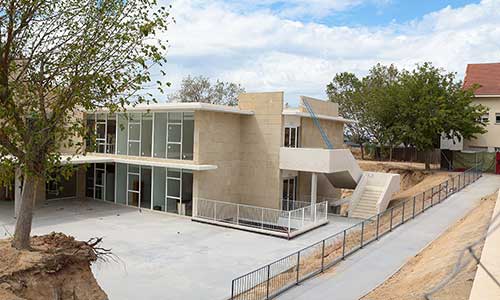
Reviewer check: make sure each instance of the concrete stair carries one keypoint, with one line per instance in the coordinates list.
(367, 205)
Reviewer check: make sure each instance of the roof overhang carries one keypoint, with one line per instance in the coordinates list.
(153, 162)
(296, 112)
(184, 106)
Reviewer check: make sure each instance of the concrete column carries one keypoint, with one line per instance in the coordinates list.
(314, 188)
(18, 184)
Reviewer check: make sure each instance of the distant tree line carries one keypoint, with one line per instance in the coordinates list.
(200, 89)
(413, 108)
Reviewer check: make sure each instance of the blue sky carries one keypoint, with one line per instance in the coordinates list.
(298, 46)
(380, 13)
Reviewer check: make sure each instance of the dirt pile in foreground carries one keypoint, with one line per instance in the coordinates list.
(57, 267)
(424, 271)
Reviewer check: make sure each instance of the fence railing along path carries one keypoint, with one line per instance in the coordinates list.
(270, 280)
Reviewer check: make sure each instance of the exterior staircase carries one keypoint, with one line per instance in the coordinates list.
(367, 205)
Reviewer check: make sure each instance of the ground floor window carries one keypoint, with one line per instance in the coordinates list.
(157, 188)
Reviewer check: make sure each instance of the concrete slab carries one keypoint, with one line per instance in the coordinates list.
(163, 256)
(371, 266)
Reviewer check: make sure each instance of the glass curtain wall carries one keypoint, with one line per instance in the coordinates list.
(159, 134)
(158, 188)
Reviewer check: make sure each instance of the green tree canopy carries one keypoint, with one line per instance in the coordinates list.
(413, 108)
(58, 58)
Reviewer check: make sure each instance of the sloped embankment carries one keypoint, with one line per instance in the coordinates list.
(57, 267)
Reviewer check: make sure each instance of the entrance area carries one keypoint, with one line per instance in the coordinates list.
(157, 188)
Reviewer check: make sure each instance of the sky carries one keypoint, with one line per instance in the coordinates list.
(298, 46)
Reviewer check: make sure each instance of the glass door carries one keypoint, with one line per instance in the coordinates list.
(100, 181)
(133, 185)
(289, 193)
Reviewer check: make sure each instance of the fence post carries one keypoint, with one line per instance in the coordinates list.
(403, 213)
(378, 223)
(392, 212)
(414, 203)
(432, 196)
(268, 275)
(215, 211)
(262, 219)
(232, 290)
(237, 214)
(323, 257)
(453, 184)
(303, 217)
(423, 201)
(439, 193)
(446, 194)
(343, 246)
(362, 233)
(289, 221)
(298, 266)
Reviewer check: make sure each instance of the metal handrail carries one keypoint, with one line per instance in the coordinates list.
(324, 136)
(262, 284)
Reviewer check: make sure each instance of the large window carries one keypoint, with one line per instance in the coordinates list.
(158, 134)
(157, 188)
(497, 118)
(173, 135)
(101, 133)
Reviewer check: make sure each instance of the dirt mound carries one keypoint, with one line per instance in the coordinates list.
(57, 267)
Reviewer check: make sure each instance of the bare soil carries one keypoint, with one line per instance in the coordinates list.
(424, 271)
(57, 267)
(414, 178)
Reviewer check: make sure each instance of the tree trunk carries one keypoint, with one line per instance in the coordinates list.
(362, 151)
(390, 153)
(21, 239)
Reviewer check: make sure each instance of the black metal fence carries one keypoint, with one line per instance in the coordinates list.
(269, 281)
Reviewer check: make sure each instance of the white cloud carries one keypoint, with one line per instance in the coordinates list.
(265, 51)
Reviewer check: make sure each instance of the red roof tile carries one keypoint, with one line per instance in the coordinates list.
(486, 75)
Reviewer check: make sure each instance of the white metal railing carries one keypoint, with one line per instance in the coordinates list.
(262, 218)
(293, 204)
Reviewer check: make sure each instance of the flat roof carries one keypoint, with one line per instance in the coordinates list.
(134, 160)
(297, 112)
(183, 106)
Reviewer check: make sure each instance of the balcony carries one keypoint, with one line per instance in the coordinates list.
(339, 165)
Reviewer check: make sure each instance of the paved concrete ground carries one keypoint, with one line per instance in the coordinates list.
(371, 266)
(162, 256)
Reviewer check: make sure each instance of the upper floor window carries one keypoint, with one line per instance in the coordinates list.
(101, 133)
(291, 137)
(485, 119)
(157, 134)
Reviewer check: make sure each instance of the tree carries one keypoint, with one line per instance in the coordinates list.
(370, 102)
(344, 90)
(380, 89)
(199, 89)
(435, 103)
(58, 57)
